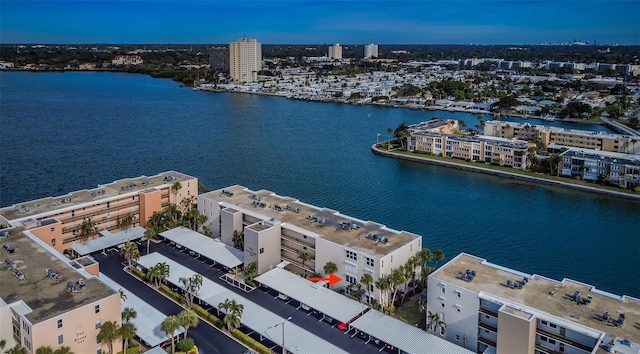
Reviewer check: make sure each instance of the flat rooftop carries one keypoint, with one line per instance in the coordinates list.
(558, 130)
(125, 186)
(291, 211)
(46, 297)
(547, 295)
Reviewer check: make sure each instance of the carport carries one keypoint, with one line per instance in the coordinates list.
(207, 247)
(107, 241)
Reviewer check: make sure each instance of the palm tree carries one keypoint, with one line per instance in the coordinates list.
(383, 285)
(158, 273)
(175, 188)
(123, 295)
(233, 313)
(63, 350)
(402, 132)
(366, 280)
(128, 314)
(131, 252)
(304, 257)
(238, 240)
(409, 272)
(330, 268)
(125, 222)
(44, 350)
(108, 334)
(187, 319)
(149, 234)
(434, 322)
(127, 332)
(87, 229)
(17, 350)
(396, 279)
(191, 286)
(438, 255)
(250, 271)
(169, 326)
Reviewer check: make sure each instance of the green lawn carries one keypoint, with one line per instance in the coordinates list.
(411, 315)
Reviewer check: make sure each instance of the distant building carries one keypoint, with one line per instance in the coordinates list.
(245, 60)
(622, 170)
(219, 58)
(87, 66)
(370, 51)
(490, 308)
(335, 51)
(4, 65)
(127, 60)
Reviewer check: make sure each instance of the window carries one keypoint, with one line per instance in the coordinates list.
(97, 309)
(552, 341)
(351, 268)
(60, 323)
(99, 351)
(553, 325)
(261, 250)
(60, 339)
(458, 294)
(26, 328)
(442, 304)
(53, 229)
(458, 337)
(98, 340)
(350, 279)
(98, 323)
(352, 255)
(442, 290)
(53, 242)
(369, 261)
(27, 344)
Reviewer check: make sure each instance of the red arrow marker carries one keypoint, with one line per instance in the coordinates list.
(332, 279)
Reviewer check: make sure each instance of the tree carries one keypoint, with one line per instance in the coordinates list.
(191, 286)
(44, 350)
(366, 280)
(434, 322)
(87, 229)
(304, 257)
(238, 239)
(330, 268)
(233, 313)
(187, 319)
(158, 273)
(175, 188)
(250, 271)
(438, 255)
(128, 314)
(125, 222)
(149, 234)
(402, 133)
(127, 332)
(131, 252)
(169, 326)
(123, 295)
(17, 350)
(109, 333)
(63, 350)
(396, 279)
(383, 285)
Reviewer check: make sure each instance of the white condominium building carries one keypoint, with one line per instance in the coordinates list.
(278, 228)
(492, 309)
(335, 51)
(245, 60)
(370, 51)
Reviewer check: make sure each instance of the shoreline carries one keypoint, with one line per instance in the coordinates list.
(505, 174)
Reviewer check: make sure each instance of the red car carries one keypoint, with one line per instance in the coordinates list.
(342, 326)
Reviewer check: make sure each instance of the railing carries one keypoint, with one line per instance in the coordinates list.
(564, 340)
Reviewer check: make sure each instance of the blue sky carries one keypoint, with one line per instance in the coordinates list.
(320, 22)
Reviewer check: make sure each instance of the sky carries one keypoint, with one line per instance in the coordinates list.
(321, 22)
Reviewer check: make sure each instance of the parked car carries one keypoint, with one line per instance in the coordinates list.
(342, 326)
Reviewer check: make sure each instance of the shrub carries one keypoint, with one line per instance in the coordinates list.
(185, 345)
(253, 344)
(140, 274)
(208, 316)
(165, 290)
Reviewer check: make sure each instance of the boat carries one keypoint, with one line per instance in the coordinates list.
(548, 118)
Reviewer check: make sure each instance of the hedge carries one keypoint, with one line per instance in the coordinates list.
(140, 274)
(208, 316)
(252, 343)
(170, 293)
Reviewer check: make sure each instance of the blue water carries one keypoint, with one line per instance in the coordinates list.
(66, 131)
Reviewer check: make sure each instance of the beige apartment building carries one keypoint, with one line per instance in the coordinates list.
(335, 51)
(437, 137)
(278, 228)
(245, 60)
(493, 309)
(47, 300)
(56, 220)
(566, 137)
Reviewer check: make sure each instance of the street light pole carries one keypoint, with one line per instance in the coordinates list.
(377, 139)
(284, 351)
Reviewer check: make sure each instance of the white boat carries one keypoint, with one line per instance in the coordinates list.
(548, 118)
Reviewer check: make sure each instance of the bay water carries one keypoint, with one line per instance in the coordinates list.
(62, 132)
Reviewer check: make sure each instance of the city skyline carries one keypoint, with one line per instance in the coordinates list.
(305, 22)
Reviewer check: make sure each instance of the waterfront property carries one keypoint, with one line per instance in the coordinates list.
(566, 137)
(622, 170)
(490, 308)
(45, 300)
(58, 220)
(437, 138)
(245, 60)
(276, 228)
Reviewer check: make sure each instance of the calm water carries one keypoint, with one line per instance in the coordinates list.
(67, 131)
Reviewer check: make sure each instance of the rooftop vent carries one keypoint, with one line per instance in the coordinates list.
(51, 274)
(8, 248)
(170, 178)
(97, 193)
(22, 209)
(4, 233)
(226, 193)
(468, 275)
(348, 225)
(11, 265)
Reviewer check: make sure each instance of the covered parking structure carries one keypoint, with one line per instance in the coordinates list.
(254, 317)
(403, 337)
(205, 246)
(314, 295)
(108, 240)
(147, 320)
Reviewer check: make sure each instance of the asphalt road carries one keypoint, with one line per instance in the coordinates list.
(269, 301)
(208, 339)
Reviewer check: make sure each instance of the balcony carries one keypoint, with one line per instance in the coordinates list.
(296, 241)
(564, 340)
(488, 327)
(489, 312)
(488, 342)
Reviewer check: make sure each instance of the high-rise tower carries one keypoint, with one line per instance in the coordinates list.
(245, 60)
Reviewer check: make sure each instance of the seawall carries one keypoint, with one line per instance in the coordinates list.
(505, 174)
